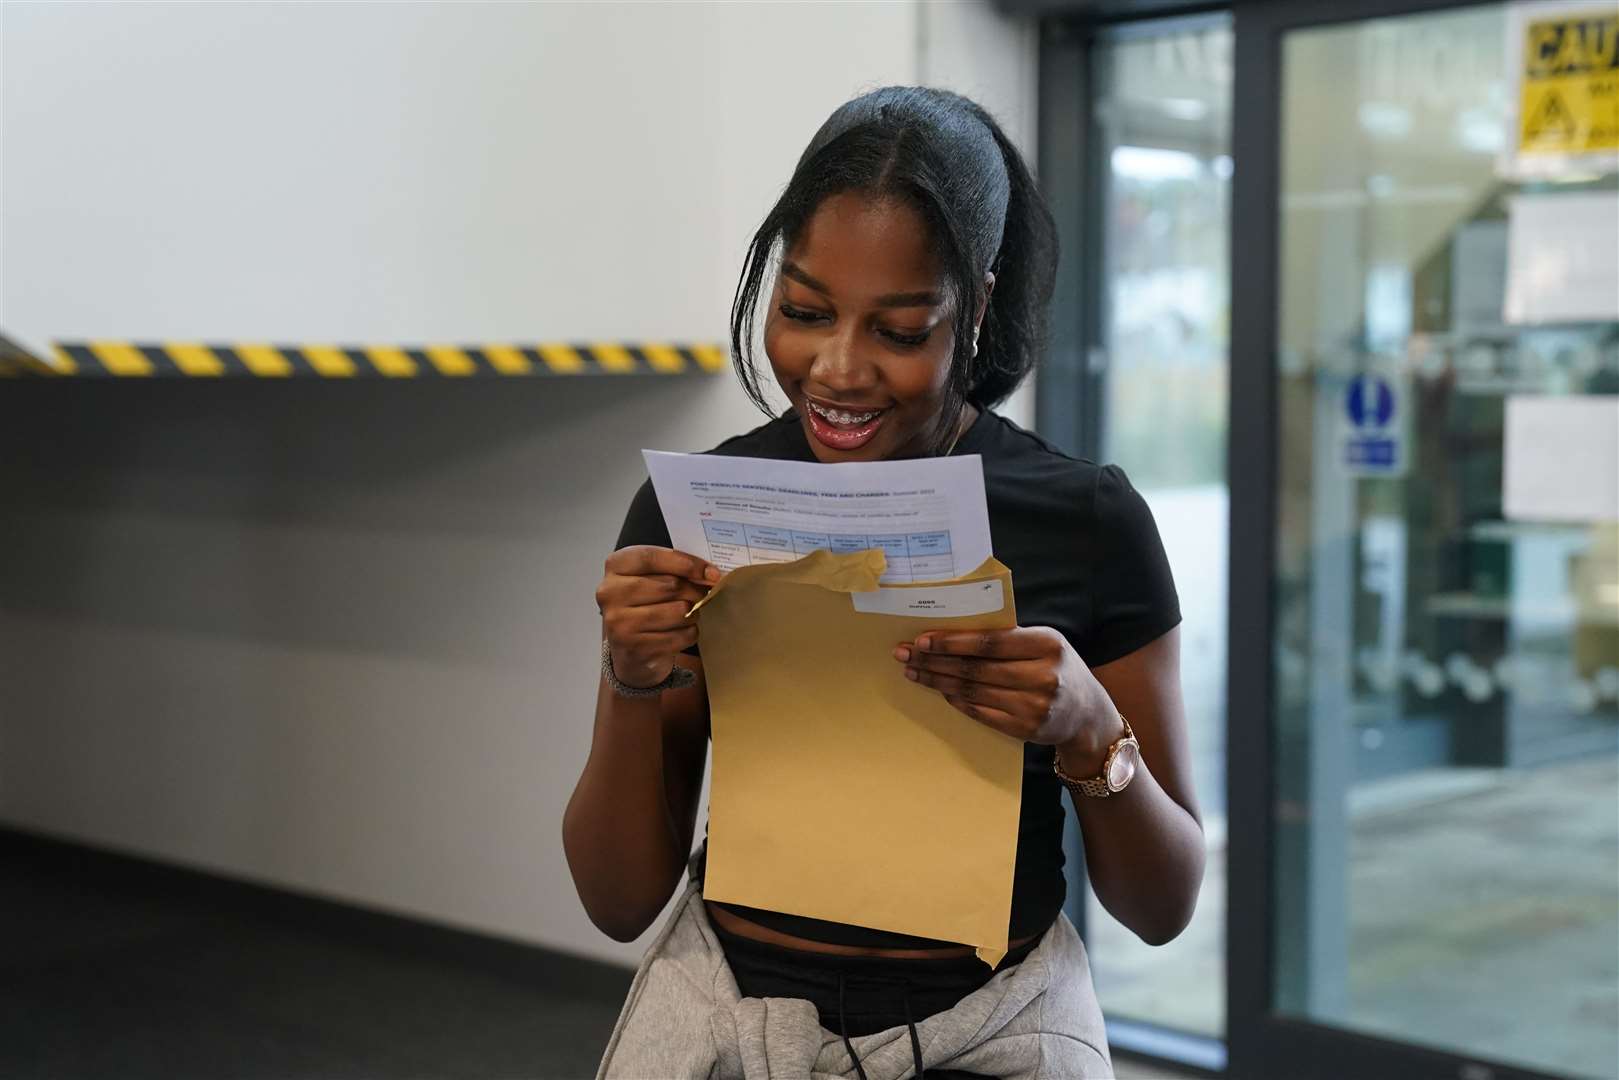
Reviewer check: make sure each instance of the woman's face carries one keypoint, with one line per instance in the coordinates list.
(859, 332)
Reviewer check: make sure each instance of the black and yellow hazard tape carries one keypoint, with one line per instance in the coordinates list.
(183, 359)
(16, 360)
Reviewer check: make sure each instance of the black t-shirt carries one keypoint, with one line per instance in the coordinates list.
(1086, 559)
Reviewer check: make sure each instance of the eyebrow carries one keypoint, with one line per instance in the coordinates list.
(904, 299)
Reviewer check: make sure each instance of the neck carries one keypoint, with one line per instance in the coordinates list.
(969, 413)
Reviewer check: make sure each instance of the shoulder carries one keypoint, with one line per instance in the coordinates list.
(1022, 467)
(1026, 471)
(1006, 438)
(643, 521)
(1011, 450)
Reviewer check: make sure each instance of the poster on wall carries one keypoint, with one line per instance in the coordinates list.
(1560, 458)
(1556, 272)
(1563, 80)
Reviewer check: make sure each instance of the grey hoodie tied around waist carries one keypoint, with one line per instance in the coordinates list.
(684, 1019)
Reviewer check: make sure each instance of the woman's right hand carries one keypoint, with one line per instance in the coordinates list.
(644, 596)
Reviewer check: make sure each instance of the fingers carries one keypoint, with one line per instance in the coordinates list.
(676, 588)
(644, 559)
(999, 719)
(1005, 679)
(646, 619)
(1008, 699)
(620, 592)
(1034, 675)
(644, 597)
(633, 591)
(1015, 643)
(663, 642)
(683, 638)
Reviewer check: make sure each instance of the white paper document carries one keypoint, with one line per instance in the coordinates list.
(928, 515)
(1563, 258)
(1560, 461)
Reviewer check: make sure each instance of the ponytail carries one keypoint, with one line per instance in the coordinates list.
(1017, 322)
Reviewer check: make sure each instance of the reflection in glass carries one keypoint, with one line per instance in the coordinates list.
(1163, 110)
(1446, 665)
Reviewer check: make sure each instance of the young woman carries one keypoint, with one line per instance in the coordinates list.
(910, 264)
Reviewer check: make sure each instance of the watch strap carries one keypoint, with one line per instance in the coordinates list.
(1095, 787)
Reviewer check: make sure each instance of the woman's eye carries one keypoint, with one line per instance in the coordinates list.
(798, 314)
(907, 339)
(803, 316)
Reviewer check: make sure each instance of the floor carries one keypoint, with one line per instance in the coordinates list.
(136, 979)
(1483, 915)
(133, 983)
(1481, 912)
(1503, 905)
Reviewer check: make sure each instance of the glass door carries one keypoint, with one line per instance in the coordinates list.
(1135, 158)
(1161, 109)
(1438, 579)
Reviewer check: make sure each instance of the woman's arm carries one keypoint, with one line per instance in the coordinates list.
(628, 828)
(1143, 846)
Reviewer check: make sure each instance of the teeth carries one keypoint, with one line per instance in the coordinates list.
(838, 416)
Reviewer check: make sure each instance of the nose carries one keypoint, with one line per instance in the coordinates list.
(841, 362)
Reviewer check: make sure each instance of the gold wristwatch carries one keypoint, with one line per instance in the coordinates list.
(1118, 769)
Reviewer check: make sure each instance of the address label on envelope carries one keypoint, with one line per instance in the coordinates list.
(942, 601)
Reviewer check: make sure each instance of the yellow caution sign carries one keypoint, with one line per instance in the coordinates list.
(1569, 100)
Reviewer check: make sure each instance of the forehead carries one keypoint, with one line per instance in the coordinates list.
(859, 247)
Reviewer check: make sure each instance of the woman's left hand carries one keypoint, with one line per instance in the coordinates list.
(1027, 682)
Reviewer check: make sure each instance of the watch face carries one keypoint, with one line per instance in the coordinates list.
(1122, 768)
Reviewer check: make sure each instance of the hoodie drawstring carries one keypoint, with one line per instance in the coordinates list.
(916, 1043)
(843, 1029)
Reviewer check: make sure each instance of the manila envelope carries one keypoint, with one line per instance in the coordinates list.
(841, 789)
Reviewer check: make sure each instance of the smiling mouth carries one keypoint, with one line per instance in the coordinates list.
(843, 418)
(843, 429)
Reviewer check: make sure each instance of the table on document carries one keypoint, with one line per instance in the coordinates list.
(918, 556)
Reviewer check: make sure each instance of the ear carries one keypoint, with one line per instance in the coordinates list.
(983, 305)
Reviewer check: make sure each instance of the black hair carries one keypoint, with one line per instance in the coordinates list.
(945, 155)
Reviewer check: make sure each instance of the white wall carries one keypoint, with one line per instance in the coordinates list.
(340, 637)
(403, 172)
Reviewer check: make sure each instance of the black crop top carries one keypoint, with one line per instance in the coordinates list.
(1086, 559)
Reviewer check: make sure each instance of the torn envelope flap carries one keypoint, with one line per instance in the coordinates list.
(857, 571)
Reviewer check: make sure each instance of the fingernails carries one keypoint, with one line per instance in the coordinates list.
(903, 653)
(712, 574)
(924, 643)
(910, 673)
